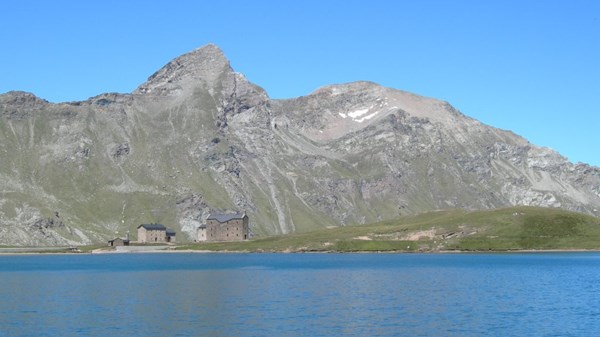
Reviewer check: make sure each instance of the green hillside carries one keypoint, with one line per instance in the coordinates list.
(516, 228)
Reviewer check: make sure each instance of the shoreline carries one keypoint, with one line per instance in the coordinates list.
(163, 250)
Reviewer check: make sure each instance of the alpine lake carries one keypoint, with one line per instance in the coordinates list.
(264, 294)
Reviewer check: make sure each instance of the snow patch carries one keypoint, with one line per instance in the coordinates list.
(366, 117)
(358, 113)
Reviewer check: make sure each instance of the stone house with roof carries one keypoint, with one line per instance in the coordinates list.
(119, 242)
(155, 233)
(225, 227)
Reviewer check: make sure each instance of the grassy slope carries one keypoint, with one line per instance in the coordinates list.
(516, 228)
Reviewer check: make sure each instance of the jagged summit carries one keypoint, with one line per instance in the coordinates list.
(202, 65)
(20, 97)
(20, 105)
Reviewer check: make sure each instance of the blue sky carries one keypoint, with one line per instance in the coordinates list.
(530, 66)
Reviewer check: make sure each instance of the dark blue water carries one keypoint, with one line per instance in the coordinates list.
(554, 294)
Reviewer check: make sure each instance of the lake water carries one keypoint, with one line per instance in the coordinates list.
(556, 294)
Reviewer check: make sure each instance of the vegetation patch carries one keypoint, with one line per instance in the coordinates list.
(508, 229)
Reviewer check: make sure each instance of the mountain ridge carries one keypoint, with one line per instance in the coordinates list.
(197, 137)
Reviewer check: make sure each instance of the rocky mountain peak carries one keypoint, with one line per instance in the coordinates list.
(19, 104)
(334, 111)
(20, 98)
(365, 96)
(202, 66)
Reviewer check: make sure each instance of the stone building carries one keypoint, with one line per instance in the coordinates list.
(118, 242)
(155, 233)
(224, 227)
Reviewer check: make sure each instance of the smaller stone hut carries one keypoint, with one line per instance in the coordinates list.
(170, 235)
(118, 242)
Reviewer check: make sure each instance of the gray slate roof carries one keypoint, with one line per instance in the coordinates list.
(115, 239)
(225, 217)
(153, 227)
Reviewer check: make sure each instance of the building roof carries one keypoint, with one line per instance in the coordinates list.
(153, 227)
(225, 217)
(116, 239)
(170, 232)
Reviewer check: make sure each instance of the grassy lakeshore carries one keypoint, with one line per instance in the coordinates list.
(508, 229)
(499, 230)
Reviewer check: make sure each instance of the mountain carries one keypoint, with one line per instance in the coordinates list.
(198, 137)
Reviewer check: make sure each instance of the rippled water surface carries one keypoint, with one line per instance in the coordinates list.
(554, 294)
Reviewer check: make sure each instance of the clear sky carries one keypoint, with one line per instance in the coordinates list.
(530, 66)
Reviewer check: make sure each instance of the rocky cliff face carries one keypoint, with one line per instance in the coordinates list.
(198, 137)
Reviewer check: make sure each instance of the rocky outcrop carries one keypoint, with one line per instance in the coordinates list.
(197, 136)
